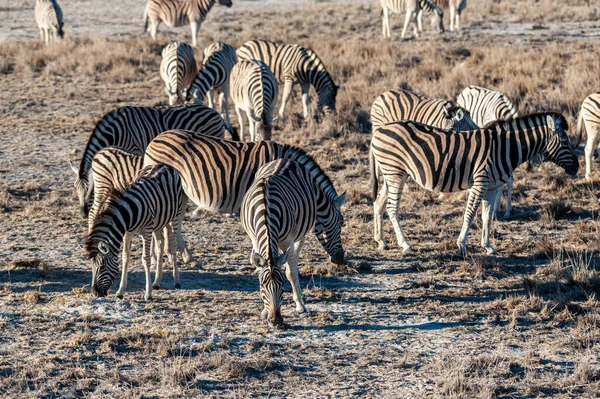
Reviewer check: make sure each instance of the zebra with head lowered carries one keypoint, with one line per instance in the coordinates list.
(291, 63)
(176, 13)
(177, 70)
(283, 204)
(412, 8)
(456, 8)
(486, 107)
(447, 161)
(213, 77)
(589, 122)
(49, 19)
(132, 128)
(149, 207)
(254, 92)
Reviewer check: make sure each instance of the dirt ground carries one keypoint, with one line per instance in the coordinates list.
(522, 324)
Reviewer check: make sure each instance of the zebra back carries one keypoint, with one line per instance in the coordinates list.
(397, 105)
(219, 58)
(176, 13)
(177, 70)
(486, 106)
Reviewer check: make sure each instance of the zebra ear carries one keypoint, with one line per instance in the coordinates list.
(550, 121)
(257, 260)
(103, 247)
(73, 167)
(340, 200)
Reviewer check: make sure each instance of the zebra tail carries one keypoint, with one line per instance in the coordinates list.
(374, 179)
(145, 20)
(61, 33)
(580, 128)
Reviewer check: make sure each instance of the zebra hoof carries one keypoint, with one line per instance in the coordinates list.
(148, 297)
(462, 250)
(491, 251)
(155, 286)
(301, 309)
(382, 246)
(119, 295)
(407, 250)
(264, 314)
(177, 286)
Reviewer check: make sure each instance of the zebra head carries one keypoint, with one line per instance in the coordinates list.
(226, 3)
(558, 147)
(328, 229)
(458, 118)
(326, 102)
(270, 279)
(105, 263)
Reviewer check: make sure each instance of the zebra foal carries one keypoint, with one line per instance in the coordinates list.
(589, 121)
(213, 77)
(412, 8)
(149, 207)
(281, 206)
(446, 161)
(254, 92)
(49, 19)
(176, 13)
(177, 70)
(291, 64)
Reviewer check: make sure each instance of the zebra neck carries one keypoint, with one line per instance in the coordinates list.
(271, 252)
(525, 141)
(321, 179)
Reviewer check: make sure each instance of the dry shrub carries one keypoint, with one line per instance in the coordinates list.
(39, 265)
(79, 290)
(586, 371)
(328, 270)
(5, 199)
(32, 297)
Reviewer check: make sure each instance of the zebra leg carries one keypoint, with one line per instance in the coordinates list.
(238, 111)
(452, 18)
(395, 184)
(172, 254)
(420, 21)
(251, 126)
(146, 240)
(194, 25)
(291, 271)
(224, 99)
(126, 252)
(210, 99)
(487, 218)
(378, 209)
(186, 255)
(42, 34)
(305, 88)
(287, 91)
(159, 242)
(590, 145)
(407, 19)
(475, 195)
(386, 22)
(154, 29)
(509, 186)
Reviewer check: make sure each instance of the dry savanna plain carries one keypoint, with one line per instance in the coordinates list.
(521, 324)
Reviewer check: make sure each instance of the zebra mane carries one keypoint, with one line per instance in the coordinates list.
(320, 177)
(558, 118)
(82, 164)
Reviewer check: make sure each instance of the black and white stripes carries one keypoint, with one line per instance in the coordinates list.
(589, 122)
(177, 69)
(49, 19)
(412, 8)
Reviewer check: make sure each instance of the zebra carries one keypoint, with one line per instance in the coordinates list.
(149, 207)
(176, 13)
(412, 9)
(49, 19)
(254, 93)
(456, 8)
(434, 11)
(486, 107)
(132, 128)
(114, 169)
(588, 121)
(216, 173)
(177, 70)
(446, 161)
(292, 64)
(213, 77)
(281, 206)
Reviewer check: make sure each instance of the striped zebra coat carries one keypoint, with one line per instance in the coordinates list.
(216, 173)
(213, 77)
(150, 207)
(455, 7)
(445, 161)
(114, 170)
(254, 93)
(412, 8)
(177, 70)
(176, 13)
(589, 122)
(293, 64)
(132, 128)
(281, 206)
(49, 19)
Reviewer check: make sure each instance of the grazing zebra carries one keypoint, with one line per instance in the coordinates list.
(434, 11)
(292, 64)
(176, 13)
(254, 92)
(456, 8)
(114, 169)
(446, 161)
(412, 9)
(132, 128)
(278, 210)
(49, 19)
(177, 70)
(149, 207)
(488, 106)
(589, 122)
(213, 77)
(217, 173)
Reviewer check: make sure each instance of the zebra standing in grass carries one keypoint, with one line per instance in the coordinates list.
(430, 8)
(49, 19)
(213, 77)
(177, 69)
(114, 169)
(291, 63)
(589, 122)
(149, 207)
(446, 161)
(132, 128)
(488, 106)
(278, 210)
(176, 13)
(254, 93)
(413, 9)
(456, 8)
